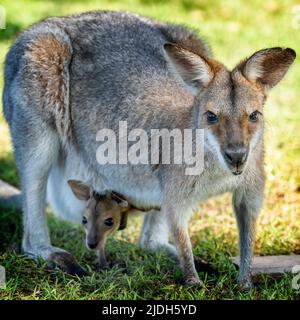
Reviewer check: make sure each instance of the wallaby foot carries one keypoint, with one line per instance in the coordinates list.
(245, 283)
(192, 281)
(67, 263)
(56, 257)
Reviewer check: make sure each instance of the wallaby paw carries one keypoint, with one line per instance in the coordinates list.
(193, 281)
(245, 284)
(66, 262)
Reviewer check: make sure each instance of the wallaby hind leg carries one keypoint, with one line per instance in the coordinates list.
(35, 157)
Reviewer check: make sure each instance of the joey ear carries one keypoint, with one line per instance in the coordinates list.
(80, 190)
(268, 66)
(192, 68)
(123, 203)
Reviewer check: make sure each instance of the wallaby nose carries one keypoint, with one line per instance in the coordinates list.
(92, 245)
(236, 156)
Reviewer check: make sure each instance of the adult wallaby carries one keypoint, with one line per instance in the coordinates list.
(66, 78)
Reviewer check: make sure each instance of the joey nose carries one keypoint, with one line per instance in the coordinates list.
(236, 156)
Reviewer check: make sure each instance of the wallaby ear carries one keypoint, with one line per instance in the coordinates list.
(80, 190)
(123, 221)
(123, 203)
(268, 66)
(193, 69)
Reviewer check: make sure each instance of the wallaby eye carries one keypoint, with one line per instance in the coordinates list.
(84, 220)
(253, 116)
(109, 222)
(211, 117)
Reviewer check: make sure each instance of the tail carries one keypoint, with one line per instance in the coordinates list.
(10, 196)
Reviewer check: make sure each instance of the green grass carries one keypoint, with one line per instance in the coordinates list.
(234, 29)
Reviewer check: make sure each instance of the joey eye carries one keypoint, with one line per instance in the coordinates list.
(109, 222)
(211, 117)
(84, 220)
(254, 116)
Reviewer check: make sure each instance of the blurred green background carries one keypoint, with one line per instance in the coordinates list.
(234, 29)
